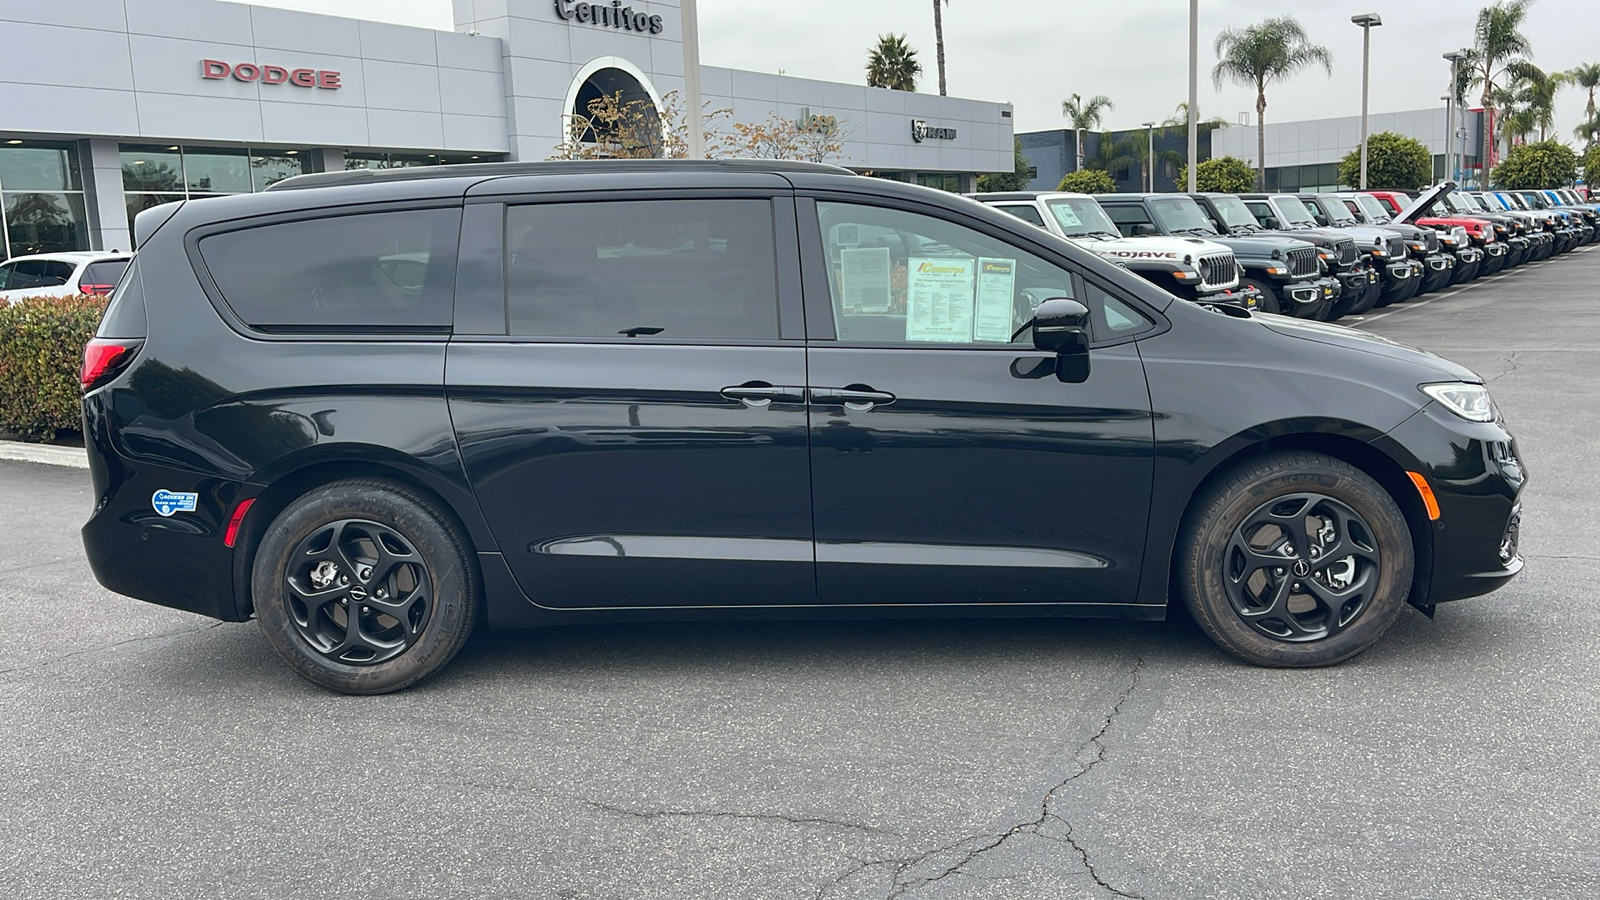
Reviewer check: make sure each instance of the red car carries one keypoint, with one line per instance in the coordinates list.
(1470, 239)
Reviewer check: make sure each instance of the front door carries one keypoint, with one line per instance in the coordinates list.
(638, 437)
(949, 465)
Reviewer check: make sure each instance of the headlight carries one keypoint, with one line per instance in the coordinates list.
(1469, 401)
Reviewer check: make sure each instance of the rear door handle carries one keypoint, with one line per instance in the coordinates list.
(858, 397)
(760, 394)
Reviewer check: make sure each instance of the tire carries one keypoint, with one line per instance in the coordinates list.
(1369, 299)
(1269, 297)
(1219, 580)
(379, 545)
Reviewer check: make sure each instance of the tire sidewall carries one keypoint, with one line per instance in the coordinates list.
(1207, 597)
(453, 582)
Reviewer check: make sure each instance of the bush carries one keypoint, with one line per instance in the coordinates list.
(41, 354)
(1545, 164)
(1395, 162)
(1088, 181)
(1222, 175)
(1591, 167)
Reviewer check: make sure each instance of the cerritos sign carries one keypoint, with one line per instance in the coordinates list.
(921, 132)
(614, 16)
(216, 69)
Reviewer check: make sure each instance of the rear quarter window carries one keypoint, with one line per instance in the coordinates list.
(106, 273)
(372, 272)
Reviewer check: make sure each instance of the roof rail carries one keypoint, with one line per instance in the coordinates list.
(558, 167)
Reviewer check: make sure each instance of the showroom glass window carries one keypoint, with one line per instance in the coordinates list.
(153, 174)
(354, 161)
(41, 198)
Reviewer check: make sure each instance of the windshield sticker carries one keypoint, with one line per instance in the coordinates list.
(168, 502)
(865, 276)
(997, 279)
(939, 299)
(1065, 215)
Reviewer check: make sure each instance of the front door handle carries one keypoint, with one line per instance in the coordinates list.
(760, 394)
(858, 397)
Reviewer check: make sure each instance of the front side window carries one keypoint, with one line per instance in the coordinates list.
(899, 276)
(661, 269)
(1025, 212)
(1127, 217)
(376, 272)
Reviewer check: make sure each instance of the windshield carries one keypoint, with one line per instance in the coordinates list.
(1533, 199)
(1374, 210)
(1080, 217)
(1234, 213)
(1335, 210)
(1177, 215)
(1293, 210)
(1511, 201)
(1480, 202)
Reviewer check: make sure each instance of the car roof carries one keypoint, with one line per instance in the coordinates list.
(74, 256)
(482, 171)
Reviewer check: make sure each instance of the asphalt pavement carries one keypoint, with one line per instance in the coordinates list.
(151, 753)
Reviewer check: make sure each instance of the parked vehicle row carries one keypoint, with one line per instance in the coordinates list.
(60, 274)
(1316, 255)
(371, 409)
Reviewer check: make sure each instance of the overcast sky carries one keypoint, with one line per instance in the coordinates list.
(1036, 53)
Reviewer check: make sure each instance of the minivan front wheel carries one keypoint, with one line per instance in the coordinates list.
(363, 587)
(1296, 559)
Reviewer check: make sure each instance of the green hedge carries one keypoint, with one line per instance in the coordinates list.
(41, 355)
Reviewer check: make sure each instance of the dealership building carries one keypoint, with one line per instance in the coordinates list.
(108, 107)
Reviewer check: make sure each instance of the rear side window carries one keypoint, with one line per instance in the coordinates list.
(125, 315)
(390, 271)
(1026, 213)
(669, 269)
(36, 273)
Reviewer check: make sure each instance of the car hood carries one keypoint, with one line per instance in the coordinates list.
(1263, 245)
(1340, 336)
(1173, 249)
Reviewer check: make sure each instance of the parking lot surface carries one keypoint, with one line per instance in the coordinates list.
(150, 753)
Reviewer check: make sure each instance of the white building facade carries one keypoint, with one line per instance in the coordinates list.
(108, 107)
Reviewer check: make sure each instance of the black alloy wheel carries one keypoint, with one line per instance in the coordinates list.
(1295, 559)
(365, 586)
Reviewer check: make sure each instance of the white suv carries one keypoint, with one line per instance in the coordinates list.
(60, 274)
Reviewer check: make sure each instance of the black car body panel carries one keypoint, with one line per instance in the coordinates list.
(635, 476)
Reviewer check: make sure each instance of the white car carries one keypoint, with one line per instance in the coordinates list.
(61, 274)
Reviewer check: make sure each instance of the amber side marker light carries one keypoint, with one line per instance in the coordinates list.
(1428, 500)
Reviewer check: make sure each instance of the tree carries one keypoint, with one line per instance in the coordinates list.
(938, 38)
(1178, 123)
(1586, 76)
(1087, 181)
(1085, 115)
(1015, 180)
(1591, 167)
(893, 64)
(783, 138)
(1537, 166)
(1395, 162)
(1221, 175)
(1497, 53)
(638, 129)
(1260, 54)
(1135, 147)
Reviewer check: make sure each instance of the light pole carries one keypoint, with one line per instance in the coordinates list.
(1194, 90)
(1150, 153)
(691, 79)
(1367, 21)
(1455, 58)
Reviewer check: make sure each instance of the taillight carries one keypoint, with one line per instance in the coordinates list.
(103, 358)
(98, 290)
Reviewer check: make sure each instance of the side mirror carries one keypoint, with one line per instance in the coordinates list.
(1271, 223)
(1145, 229)
(1061, 326)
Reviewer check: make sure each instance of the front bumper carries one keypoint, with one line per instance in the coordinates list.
(1477, 477)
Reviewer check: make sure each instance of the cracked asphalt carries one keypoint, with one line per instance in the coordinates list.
(150, 753)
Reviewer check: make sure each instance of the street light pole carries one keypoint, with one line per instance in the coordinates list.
(1150, 154)
(1450, 120)
(1367, 21)
(1194, 91)
(691, 79)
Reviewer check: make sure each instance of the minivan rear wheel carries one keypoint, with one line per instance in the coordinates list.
(1296, 559)
(364, 587)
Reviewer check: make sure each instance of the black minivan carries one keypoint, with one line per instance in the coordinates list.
(373, 408)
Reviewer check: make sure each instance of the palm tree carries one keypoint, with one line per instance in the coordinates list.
(893, 64)
(1497, 53)
(1254, 56)
(938, 39)
(1085, 115)
(1586, 76)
